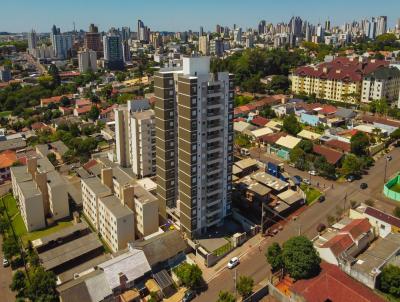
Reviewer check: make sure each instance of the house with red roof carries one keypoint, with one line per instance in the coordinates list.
(259, 121)
(339, 145)
(54, 99)
(345, 241)
(332, 156)
(7, 159)
(331, 285)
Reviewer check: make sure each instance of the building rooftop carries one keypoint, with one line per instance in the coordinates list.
(115, 206)
(143, 115)
(69, 251)
(96, 185)
(12, 144)
(143, 196)
(55, 179)
(21, 174)
(290, 196)
(44, 165)
(133, 264)
(288, 141)
(29, 189)
(269, 180)
(246, 163)
(331, 156)
(308, 135)
(382, 216)
(261, 132)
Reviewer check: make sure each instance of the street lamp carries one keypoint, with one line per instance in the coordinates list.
(387, 159)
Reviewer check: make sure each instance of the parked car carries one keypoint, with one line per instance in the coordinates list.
(363, 186)
(350, 178)
(298, 178)
(189, 296)
(6, 262)
(389, 157)
(312, 172)
(306, 181)
(321, 198)
(293, 165)
(233, 262)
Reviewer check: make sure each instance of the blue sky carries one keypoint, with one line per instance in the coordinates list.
(175, 15)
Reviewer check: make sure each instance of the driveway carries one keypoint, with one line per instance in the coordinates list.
(5, 279)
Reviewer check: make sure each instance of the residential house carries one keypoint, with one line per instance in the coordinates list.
(283, 146)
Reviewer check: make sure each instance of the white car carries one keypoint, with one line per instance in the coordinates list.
(5, 263)
(233, 262)
(306, 181)
(312, 172)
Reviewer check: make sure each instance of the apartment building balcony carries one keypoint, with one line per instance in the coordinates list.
(213, 180)
(213, 220)
(215, 189)
(213, 157)
(215, 170)
(213, 201)
(213, 212)
(211, 135)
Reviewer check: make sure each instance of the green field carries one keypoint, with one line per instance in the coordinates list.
(10, 204)
(312, 194)
(395, 188)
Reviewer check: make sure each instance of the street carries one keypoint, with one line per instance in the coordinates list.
(254, 263)
(5, 280)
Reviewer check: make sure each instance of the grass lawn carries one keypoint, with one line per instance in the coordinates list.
(19, 226)
(311, 193)
(395, 188)
(11, 205)
(5, 113)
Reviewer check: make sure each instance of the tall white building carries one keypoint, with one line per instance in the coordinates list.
(381, 25)
(62, 44)
(32, 40)
(87, 60)
(135, 137)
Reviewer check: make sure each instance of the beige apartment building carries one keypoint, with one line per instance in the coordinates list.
(340, 80)
(36, 181)
(146, 212)
(194, 130)
(383, 83)
(116, 223)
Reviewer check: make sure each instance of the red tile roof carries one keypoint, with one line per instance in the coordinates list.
(259, 121)
(84, 109)
(350, 132)
(383, 216)
(39, 126)
(91, 163)
(67, 74)
(331, 156)
(356, 228)
(7, 158)
(338, 244)
(83, 102)
(334, 285)
(339, 145)
(380, 120)
(271, 138)
(328, 109)
(341, 69)
(54, 99)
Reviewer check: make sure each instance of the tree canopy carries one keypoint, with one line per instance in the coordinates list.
(274, 256)
(389, 281)
(189, 274)
(225, 296)
(359, 143)
(351, 165)
(244, 286)
(291, 125)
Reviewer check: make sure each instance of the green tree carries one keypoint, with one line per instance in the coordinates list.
(42, 286)
(225, 296)
(189, 274)
(351, 165)
(300, 258)
(389, 281)
(18, 283)
(396, 211)
(267, 112)
(306, 145)
(93, 114)
(279, 84)
(10, 247)
(359, 143)
(65, 102)
(4, 224)
(245, 286)
(274, 256)
(291, 125)
(54, 73)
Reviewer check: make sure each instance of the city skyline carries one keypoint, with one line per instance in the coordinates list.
(161, 16)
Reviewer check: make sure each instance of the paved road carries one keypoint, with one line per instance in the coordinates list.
(6, 294)
(254, 264)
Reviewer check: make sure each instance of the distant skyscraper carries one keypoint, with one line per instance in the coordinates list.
(87, 60)
(328, 25)
(32, 40)
(372, 29)
(126, 51)
(93, 39)
(204, 46)
(218, 29)
(143, 32)
(381, 25)
(308, 36)
(125, 33)
(113, 53)
(295, 25)
(217, 47)
(261, 27)
(201, 32)
(62, 43)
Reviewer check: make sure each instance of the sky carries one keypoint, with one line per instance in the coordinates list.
(180, 15)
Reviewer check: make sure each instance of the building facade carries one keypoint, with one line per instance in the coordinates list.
(87, 60)
(194, 129)
(113, 53)
(383, 83)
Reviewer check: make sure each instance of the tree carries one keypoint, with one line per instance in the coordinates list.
(267, 112)
(278, 83)
(390, 280)
(359, 143)
(52, 158)
(225, 296)
(300, 258)
(189, 274)
(291, 125)
(93, 114)
(10, 247)
(54, 73)
(18, 283)
(245, 286)
(65, 102)
(306, 145)
(396, 211)
(351, 165)
(274, 256)
(42, 286)
(4, 224)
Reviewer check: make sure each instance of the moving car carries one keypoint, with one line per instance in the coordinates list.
(244, 152)
(312, 172)
(363, 186)
(5, 262)
(321, 198)
(233, 262)
(189, 296)
(306, 181)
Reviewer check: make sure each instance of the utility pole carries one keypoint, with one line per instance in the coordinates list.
(344, 203)
(234, 282)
